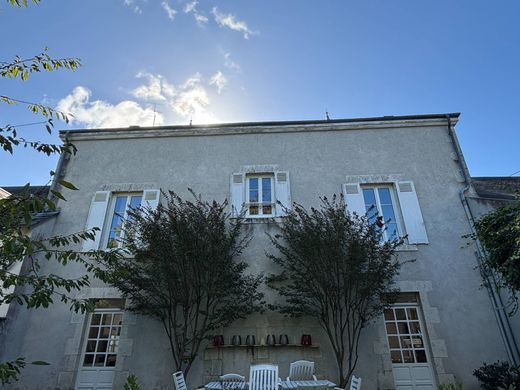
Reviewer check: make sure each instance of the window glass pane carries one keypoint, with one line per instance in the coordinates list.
(400, 314)
(253, 190)
(135, 201)
(406, 342)
(93, 332)
(111, 361)
(112, 346)
(396, 356)
(266, 190)
(412, 313)
(391, 328)
(403, 327)
(107, 319)
(369, 196)
(104, 332)
(393, 341)
(91, 346)
(88, 360)
(391, 231)
(384, 196)
(102, 346)
(116, 331)
(414, 327)
(253, 210)
(417, 342)
(420, 355)
(389, 314)
(99, 361)
(96, 318)
(388, 213)
(117, 320)
(408, 356)
(267, 210)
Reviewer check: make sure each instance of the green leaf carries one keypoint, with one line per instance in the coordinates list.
(68, 185)
(58, 195)
(40, 363)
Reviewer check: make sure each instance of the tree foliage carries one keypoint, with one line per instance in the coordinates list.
(334, 267)
(499, 233)
(184, 271)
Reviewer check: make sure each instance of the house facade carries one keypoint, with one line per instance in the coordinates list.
(410, 168)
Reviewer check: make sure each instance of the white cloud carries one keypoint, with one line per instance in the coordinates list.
(191, 7)
(219, 80)
(229, 63)
(133, 6)
(169, 10)
(98, 113)
(229, 21)
(157, 89)
(188, 100)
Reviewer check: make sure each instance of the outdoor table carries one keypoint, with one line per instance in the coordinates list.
(307, 385)
(285, 385)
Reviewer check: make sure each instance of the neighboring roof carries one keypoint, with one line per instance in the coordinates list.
(244, 127)
(496, 187)
(42, 191)
(38, 218)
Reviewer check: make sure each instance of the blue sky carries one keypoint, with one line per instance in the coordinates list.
(231, 60)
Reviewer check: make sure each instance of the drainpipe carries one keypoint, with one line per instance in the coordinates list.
(58, 174)
(499, 310)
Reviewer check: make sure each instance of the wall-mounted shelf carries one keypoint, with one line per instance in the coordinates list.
(264, 346)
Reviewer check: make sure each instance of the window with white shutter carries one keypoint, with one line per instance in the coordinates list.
(393, 206)
(109, 211)
(258, 194)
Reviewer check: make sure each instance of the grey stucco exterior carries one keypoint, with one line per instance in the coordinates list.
(320, 157)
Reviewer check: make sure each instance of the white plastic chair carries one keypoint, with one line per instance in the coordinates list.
(264, 377)
(355, 384)
(301, 370)
(178, 381)
(232, 378)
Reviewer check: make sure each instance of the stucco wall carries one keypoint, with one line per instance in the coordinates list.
(459, 320)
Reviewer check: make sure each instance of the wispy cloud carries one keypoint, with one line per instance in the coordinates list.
(229, 63)
(219, 81)
(133, 6)
(191, 7)
(99, 113)
(169, 10)
(230, 21)
(157, 89)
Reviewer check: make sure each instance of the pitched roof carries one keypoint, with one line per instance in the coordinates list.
(497, 187)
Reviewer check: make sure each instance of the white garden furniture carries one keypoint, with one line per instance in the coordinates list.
(232, 378)
(355, 384)
(301, 370)
(264, 377)
(178, 381)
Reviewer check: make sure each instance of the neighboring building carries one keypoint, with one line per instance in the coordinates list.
(40, 225)
(411, 167)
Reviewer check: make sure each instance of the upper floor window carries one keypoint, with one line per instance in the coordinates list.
(108, 213)
(260, 195)
(121, 205)
(393, 206)
(380, 209)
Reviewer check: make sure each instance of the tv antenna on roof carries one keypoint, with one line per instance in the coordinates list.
(191, 119)
(327, 115)
(153, 123)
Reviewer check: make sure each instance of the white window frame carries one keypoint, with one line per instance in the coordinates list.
(107, 225)
(395, 204)
(260, 176)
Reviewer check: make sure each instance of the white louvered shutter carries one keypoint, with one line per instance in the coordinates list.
(354, 198)
(237, 193)
(282, 192)
(96, 218)
(411, 213)
(151, 198)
